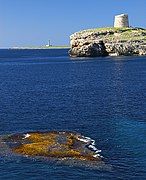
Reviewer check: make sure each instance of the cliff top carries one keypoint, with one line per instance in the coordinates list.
(114, 34)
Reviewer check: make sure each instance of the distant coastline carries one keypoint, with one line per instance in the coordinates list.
(39, 47)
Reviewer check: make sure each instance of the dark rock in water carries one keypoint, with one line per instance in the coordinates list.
(53, 144)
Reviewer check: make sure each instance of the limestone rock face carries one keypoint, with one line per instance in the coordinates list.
(88, 49)
(108, 41)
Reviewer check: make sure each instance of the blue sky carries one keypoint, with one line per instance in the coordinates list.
(34, 22)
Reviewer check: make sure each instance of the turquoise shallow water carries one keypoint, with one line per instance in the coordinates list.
(102, 98)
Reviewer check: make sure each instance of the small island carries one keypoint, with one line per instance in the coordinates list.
(120, 40)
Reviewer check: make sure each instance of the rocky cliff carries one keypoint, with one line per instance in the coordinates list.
(108, 41)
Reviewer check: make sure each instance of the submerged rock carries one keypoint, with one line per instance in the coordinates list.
(53, 144)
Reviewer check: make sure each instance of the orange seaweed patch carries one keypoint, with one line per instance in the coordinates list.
(54, 144)
(38, 137)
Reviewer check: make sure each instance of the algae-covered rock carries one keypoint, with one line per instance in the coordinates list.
(53, 144)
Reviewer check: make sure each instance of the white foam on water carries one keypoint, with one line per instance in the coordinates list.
(98, 150)
(96, 155)
(91, 145)
(83, 140)
(88, 138)
(26, 136)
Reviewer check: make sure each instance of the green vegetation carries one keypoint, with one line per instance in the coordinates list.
(105, 29)
(118, 34)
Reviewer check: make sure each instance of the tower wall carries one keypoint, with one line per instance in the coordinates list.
(121, 21)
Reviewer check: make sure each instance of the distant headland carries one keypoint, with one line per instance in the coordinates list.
(121, 39)
(41, 47)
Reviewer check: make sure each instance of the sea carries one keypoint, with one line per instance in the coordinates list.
(103, 98)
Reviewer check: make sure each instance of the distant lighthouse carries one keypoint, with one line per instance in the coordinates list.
(121, 20)
(49, 44)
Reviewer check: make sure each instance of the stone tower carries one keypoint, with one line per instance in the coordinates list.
(121, 20)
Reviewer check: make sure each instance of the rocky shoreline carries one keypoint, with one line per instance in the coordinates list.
(108, 41)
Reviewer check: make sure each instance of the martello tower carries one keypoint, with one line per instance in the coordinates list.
(121, 20)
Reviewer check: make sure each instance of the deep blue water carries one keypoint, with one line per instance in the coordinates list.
(103, 98)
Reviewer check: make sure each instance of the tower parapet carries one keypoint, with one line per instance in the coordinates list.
(121, 20)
